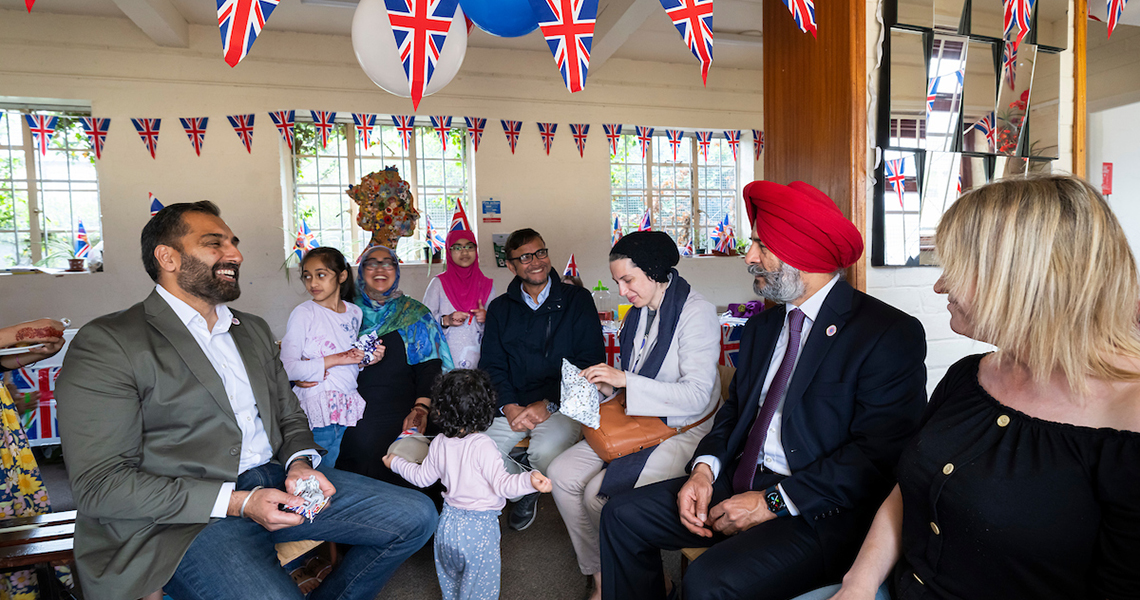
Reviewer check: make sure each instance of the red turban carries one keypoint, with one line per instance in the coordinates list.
(802, 226)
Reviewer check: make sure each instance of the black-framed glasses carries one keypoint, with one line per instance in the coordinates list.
(529, 256)
(373, 264)
(462, 247)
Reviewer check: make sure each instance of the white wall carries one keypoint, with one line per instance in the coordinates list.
(110, 63)
(1112, 138)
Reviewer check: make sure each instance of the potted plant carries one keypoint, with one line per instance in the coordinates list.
(64, 249)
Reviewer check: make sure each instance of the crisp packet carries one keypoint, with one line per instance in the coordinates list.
(367, 344)
(580, 398)
(310, 491)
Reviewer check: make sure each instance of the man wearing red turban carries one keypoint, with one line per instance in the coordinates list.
(828, 388)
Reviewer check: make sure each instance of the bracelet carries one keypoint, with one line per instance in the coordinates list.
(246, 501)
(422, 405)
(18, 363)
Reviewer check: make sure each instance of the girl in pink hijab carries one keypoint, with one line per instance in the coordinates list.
(458, 298)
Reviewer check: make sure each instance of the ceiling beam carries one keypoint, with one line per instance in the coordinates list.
(624, 17)
(159, 20)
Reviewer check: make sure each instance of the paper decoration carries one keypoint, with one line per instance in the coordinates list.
(512, 129)
(1017, 14)
(155, 205)
(616, 235)
(931, 96)
(148, 133)
(730, 342)
(613, 135)
(723, 237)
(987, 126)
(571, 269)
(1009, 64)
(674, 136)
(733, 138)
(896, 176)
(803, 13)
(579, 398)
(324, 121)
(758, 143)
(1115, 10)
(434, 238)
(240, 22)
(694, 20)
(644, 134)
(96, 132)
(442, 125)
(82, 246)
(475, 127)
(568, 26)
(405, 124)
(243, 127)
(364, 123)
(459, 220)
(283, 120)
(646, 224)
(43, 127)
(420, 28)
(579, 131)
(195, 128)
(704, 139)
(29, 4)
(305, 241)
(546, 130)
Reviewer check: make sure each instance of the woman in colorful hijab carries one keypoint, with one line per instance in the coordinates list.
(458, 298)
(396, 390)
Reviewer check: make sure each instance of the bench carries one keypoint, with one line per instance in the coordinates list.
(41, 542)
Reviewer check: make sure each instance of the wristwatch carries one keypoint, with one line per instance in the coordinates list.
(775, 501)
(551, 407)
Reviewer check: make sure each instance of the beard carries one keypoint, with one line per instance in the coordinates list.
(782, 285)
(200, 280)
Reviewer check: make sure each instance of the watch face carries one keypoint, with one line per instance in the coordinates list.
(775, 501)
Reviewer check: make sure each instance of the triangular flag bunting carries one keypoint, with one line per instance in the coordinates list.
(613, 135)
(896, 176)
(546, 130)
(420, 28)
(571, 269)
(733, 138)
(694, 20)
(324, 121)
(674, 136)
(803, 13)
(43, 127)
(616, 235)
(1009, 64)
(155, 205)
(568, 26)
(704, 139)
(404, 126)
(579, 131)
(644, 134)
(758, 143)
(442, 126)
(82, 246)
(512, 129)
(240, 22)
(96, 132)
(1017, 15)
(283, 120)
(148, 133)
(243, 127)
(1115, 10)
(29, 4)
(475, 127)
(365, 123)
(196, 130)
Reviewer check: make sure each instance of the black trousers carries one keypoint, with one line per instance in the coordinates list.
(775, 560)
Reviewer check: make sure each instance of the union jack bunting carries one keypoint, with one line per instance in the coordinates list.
(420, 28)
(730, 343)
(644, 134)
(571, 269)
(43, 127)
(931, 96)
(305, 241)
(195, 130)
(727, 240)
(694, 20)
(687, 249)
(733, 138)
(243, 127)
(441, 125)
(803, 13)
(1017, 13)
(364, 123)
(674, 136)
(82, 246)
(646, 224)
(240, 22)
(459, 219)
(283, 120)
(758, 143)
(96, 131)
(896, 176)
(40, 422)
(579, 131)
(1009, 54)
(29, 4)
(512, 129)
(436, 241)
(959, 183)
(568, 26)
(546, 130)
(155, 205)
(704, 139)
(148, 132)
(1115, 10)
(324, 121)
(405, 124)
(613, 135)
(616, 234)
(986, 126)
(475, 127)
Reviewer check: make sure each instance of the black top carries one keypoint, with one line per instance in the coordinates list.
(999, 504)
(389, 388)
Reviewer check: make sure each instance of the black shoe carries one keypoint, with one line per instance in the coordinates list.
(523, 512)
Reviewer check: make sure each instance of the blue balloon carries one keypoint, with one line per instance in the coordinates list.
(503, 18)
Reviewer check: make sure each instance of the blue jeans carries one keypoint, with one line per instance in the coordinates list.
(824, 593)
(328, 437)
(235, 558)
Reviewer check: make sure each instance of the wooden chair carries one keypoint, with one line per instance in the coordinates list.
(42, 543)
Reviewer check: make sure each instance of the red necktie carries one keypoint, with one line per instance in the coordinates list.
(746, 469)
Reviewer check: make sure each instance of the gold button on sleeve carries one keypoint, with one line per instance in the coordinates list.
(1003, 420)
(934, 528)
(948, 469)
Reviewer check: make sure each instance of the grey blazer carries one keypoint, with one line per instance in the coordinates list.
(150, 436)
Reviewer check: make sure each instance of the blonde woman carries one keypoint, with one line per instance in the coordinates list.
(1024, 481)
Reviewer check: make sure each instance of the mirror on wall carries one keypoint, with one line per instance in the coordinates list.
(915, 13)
(979, 99)
(1017, 62)
(946, 72)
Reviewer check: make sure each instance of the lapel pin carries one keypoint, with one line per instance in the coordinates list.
(237, 322)
(830, 330)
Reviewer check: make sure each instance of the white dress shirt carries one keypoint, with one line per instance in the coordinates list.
(542, 296)
(219, 347)
(774, 458)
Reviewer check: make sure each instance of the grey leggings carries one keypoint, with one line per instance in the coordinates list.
(467, 554)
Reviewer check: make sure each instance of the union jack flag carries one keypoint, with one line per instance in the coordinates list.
(1115, 9)
(616, 235)
(613, 135)
(196, 130)
(148, 132)
(674, 136)
(758, 145)
(442, 125)
(568, 26)
(733, 138)
(896, 176)
(243, 127)
(305, 241)
(579, 131)
(420, 28)
(512, 129)
(727, 239)
(434, 238)
(1009, 53)
(364, 123)
(459, 219)
(43, 127)
(644, 134)
(284, 120)
(82, 246)
(716, 234)
(645, 224)
(324, 121)
(240, 22)
(96, 131)
(987, 127)
(687, 249)
(704, 139)
(546, 130)
(730, 343)
(40, 423)
(475, 127)
(931, 96)
(155, 205)
(694, 19)
(959, 183)
(803, 13)
(405, 124)
(571, 269)
(1017, 13)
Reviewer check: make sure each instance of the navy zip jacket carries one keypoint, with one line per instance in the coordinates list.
(523, 349)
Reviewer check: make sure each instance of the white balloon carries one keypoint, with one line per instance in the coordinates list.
(375, 48)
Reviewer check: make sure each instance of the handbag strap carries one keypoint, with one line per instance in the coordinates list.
(694, 424)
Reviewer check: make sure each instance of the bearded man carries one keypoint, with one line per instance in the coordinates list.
(828, 388)
(183, 438)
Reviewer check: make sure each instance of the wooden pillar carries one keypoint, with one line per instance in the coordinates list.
(815, 114)
(1080, 87)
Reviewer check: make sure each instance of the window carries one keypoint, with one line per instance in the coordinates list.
(43, 199)
(686, 197)
(321, 177)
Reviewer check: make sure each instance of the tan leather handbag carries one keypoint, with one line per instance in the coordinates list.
(619, 434)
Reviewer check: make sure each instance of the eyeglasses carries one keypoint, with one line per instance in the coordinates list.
(372, 264)
(529, 256)
(461, 248)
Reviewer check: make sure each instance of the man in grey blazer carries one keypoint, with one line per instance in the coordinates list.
(182, 437)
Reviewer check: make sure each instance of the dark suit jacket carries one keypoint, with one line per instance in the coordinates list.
(150, 436)
(854, 399)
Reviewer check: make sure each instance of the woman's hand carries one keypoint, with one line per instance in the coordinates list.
(605, 374)
(48, 332)
(456, 318)
(377, 353)
(418, 417)
(480, 313)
